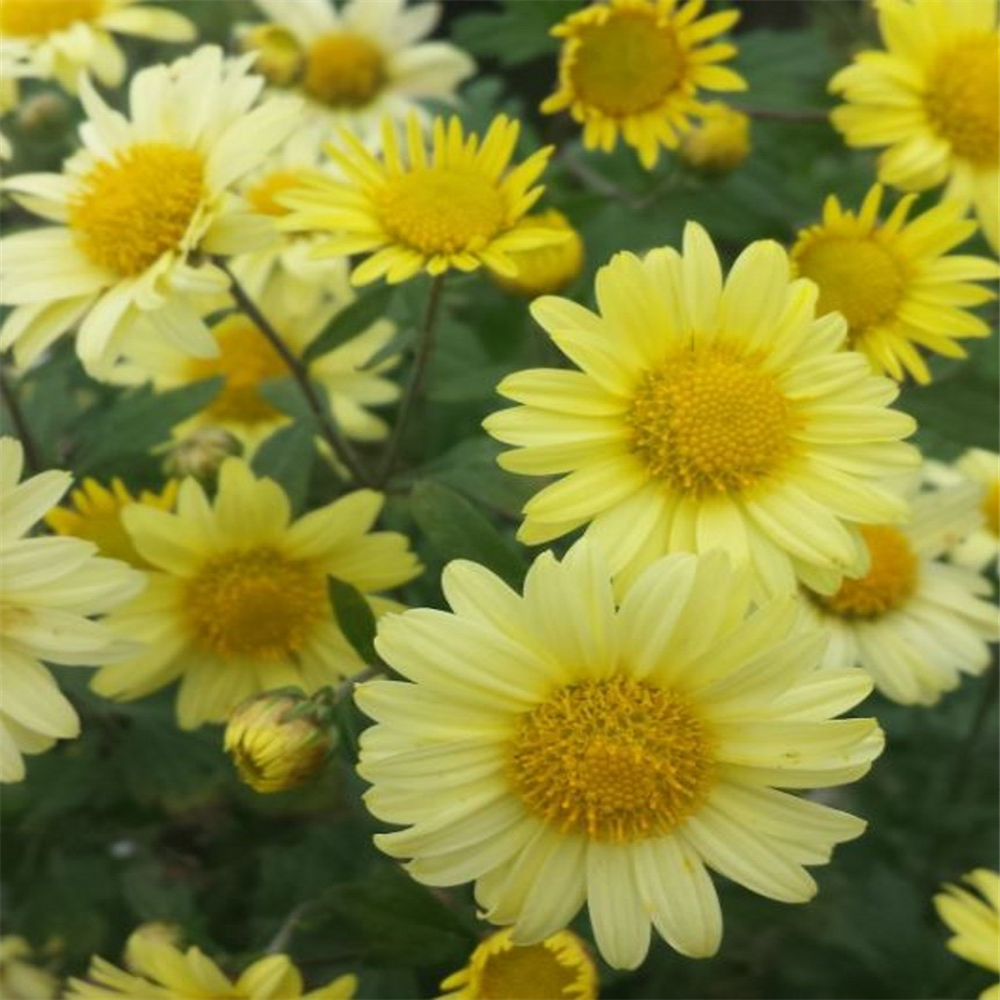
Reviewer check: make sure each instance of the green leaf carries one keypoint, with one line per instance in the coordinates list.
(355, 617)
(287, 458)
(352, 320)
(516, 35)
(285, 394)
(401, 342)
(139, 421)
(458, 531)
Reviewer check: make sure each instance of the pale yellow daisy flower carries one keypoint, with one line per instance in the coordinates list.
(49, 590)
(458, 207)
(932, 97)
(634, 68)
(981, 547)
(549, 269)
(59, 38)
(975, 920)
(363, 59)
(706, 413)
(915, 623)
(895, 281)
(138, 209)
(558, 968)
(161, 971)
(20, 978)
(246, 360)
(238, 600)
(558, 749)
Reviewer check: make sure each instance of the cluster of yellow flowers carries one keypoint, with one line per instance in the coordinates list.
(760, 547)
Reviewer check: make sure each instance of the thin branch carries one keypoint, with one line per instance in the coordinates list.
(779, 115)
(32, 462)
(280, 940)
(299, 372)
(425, 347)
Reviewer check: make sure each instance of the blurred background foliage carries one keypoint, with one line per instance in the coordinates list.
(138, 821)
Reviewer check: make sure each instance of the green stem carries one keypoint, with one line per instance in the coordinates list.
(780, 115)
(299, 371)
(425, 347)
(32, 462)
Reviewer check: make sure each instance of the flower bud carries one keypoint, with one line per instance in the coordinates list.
(44, 115)
(280, 739)
(548, 269)
(719, 143)
(280, 57)
(201, 453)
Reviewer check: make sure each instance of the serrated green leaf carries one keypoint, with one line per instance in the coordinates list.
(355, 617)
(458, 531)
(287, 457)
(368, 307)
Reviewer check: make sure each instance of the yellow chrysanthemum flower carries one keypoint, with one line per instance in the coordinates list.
(238, 601)
(59, 38)
(558, 749)
(719, 142)
(368, 58)
(458, 208)
(246, 360)
(975, 921)
(558, 968)
(138, 208)
(634, 68)
(932, 96)
(895, 281)
(49, 589)
(981, 547)
(916, 624)
(20, 978)
(95, 514)
(706, 414)
(545, 270)
(162, 971)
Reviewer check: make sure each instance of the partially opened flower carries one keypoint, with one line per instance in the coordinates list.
(932, 98)
(458, 207)
(634, 68)
(159, 969)
(974, 917)
(59, 38)
(558, 968)
(548, 269)
(136, 210)
(895, 281)
(719, 141)
(914, 622)
(50, 588)
(238, 602)
(559, 750)
(706, 414)
(367, 58)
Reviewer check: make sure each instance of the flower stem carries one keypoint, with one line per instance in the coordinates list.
(320, 410)
(425, 347)
(781, 115)
(32, 462)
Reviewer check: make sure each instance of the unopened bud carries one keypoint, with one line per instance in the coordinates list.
(719, 143)
(201, 453)
(44, 115)
(280, 739)
(544, 270)
(155, 932)
(280, 57)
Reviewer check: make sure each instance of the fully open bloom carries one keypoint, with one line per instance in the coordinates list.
(49, 589)
(558, 968)
(238, 600)
(975, 920)
(59, 38)
(895, 282)
(458, 208)
(634, 68)
(915, 623)
(160, 970)
(558, 749)
(136, 208)
(368, 59)
(932, 96)
(706, 414)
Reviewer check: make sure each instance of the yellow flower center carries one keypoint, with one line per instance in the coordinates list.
(857, 277)
(254, 603)
(245, 360)
(32, 18)
(889, 583)
(440, 210)
(991, 507)
(626, 65)
(616, 760)
(963, 99)
(262, 195)
(710, 421)
(344, 70)
(532, 972)
(138, 206)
